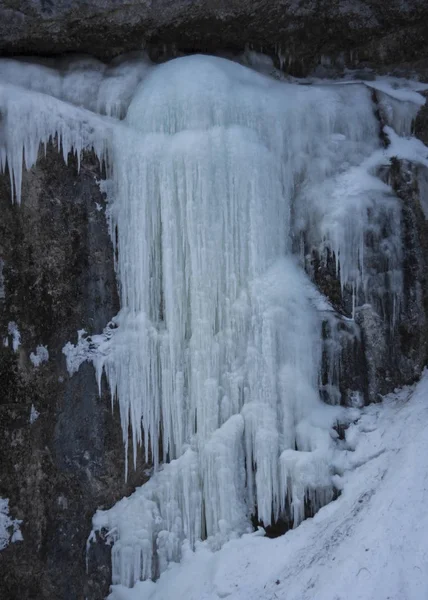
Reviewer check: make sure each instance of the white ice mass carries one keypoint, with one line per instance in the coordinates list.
(9, 528)
(40, 356)
(34, 414)
(221, 181)
(13, 331)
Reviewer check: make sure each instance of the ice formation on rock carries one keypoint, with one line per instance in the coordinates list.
(9, 528)
(13, 331)
(34, 414)
(221, 182)
(40, 356)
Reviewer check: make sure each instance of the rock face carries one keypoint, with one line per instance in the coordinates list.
(57, 277)
(298, 32)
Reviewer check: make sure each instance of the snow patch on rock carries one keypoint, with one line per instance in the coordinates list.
(9, 527)
(40, 356)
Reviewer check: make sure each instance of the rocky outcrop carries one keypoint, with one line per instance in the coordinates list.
(299, 33)
(58, 468)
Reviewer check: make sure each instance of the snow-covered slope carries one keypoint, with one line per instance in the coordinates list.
(370, 544)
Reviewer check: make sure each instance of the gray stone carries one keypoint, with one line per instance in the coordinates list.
(299, 33)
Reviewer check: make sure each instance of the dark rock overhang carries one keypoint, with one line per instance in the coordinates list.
(298, 33)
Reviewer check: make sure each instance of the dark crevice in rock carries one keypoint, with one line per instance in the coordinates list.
(284, 522)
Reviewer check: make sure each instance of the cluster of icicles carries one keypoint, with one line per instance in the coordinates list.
(220, 178)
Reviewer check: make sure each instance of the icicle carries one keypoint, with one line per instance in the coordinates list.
(216, 352)
(223, 473)
(30, 119)
(161, 514)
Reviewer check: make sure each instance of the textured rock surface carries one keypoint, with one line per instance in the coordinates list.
(58, 278)
(300, 31)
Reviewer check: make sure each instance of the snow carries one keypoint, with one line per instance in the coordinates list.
(408, 148)
(40, 356)
(76, 354)
(84, 82)
(13, 331)
(89, 349)
(369, 544)
(393, 87)
(220, 182)
(34, 414)
(9, 528)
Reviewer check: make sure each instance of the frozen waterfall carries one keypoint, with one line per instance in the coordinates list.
(220, 183)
